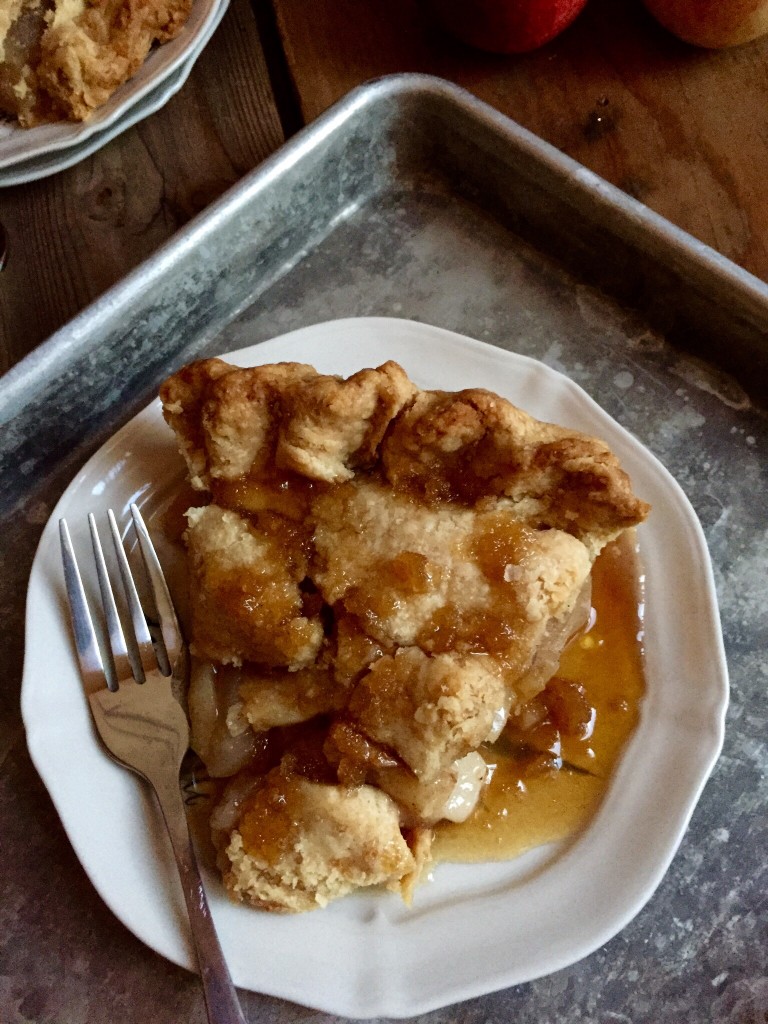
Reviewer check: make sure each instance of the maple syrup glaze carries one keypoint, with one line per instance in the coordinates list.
(549, 775)
(550, 770)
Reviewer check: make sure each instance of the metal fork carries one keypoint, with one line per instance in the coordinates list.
(142, 724)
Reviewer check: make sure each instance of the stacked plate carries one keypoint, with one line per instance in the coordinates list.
(30, 153)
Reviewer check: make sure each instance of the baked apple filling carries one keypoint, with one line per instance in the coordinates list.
(382, 584)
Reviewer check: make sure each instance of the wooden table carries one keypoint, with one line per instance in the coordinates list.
(682, 129)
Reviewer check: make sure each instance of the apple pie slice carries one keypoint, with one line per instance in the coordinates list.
(380, 577)
(62, 59)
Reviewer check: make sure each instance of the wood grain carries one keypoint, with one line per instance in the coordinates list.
(684, 130)
(73, 235)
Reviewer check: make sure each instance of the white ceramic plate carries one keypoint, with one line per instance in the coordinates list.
(19, 145)
(472, 929)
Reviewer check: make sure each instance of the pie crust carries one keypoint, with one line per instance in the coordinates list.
(379, 577)
(62, 59)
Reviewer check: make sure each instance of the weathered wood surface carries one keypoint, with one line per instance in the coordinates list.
(684, 130)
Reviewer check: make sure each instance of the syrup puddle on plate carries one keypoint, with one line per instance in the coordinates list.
(547, 781)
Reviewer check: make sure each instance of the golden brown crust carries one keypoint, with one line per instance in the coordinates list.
(403, 567)
(329, 427)
(184, 396)
(280, 698)
(286, 417)
(429, 710)
(470, 447)
(300, 844)
(473, 446)
(245, 602)
(69, 56)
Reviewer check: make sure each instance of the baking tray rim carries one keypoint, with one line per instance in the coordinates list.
(629, 213)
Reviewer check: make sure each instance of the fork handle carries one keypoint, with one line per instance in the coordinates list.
(221, 1002)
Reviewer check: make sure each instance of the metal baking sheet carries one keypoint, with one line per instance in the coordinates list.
(412, 199)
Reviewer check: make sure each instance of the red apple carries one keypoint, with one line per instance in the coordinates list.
(712, 23)
(505, 26)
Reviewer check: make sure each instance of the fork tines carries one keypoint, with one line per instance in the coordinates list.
(137, 656)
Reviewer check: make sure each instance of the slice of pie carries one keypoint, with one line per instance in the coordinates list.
(379, 578)
(62, 59)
